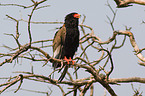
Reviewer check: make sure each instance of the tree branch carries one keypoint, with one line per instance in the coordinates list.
(126, 3)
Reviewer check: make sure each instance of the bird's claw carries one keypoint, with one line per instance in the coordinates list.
(68, 60)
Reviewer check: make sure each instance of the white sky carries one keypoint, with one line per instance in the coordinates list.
(126, 63)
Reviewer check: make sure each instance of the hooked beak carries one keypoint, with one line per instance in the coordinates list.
(77, 15)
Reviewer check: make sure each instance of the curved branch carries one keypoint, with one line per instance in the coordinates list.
(126, 3)
(111, 61)
(97, 78)
(133, 43)
(30, 17)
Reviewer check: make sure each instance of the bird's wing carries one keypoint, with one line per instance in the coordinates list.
(58, 42)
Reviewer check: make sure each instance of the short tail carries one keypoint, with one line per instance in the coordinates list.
(63, 73)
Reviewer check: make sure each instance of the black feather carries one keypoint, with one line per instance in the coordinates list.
(63, 73)
(70, 43)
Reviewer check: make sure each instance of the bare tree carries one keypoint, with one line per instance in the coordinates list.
(35, 51)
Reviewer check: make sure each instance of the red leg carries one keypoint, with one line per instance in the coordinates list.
(67, 60)
(71, 60)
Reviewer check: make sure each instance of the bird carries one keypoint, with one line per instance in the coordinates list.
(66, 42)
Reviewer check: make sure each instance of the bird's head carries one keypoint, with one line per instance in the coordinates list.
(72, 15)
(71, 20)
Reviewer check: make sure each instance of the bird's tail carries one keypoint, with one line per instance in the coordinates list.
(63, 73)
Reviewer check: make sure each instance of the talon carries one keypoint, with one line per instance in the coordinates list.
(68, 60)
(73, 62)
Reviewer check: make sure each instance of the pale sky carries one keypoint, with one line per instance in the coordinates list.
(96, 12)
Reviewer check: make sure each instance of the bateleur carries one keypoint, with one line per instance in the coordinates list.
(66, 42)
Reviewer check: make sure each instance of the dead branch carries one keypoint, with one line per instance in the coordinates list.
(127, 80)
(88, 40)
(133, 43)
(127, 3)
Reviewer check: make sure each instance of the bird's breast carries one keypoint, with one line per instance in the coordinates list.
(71, 42)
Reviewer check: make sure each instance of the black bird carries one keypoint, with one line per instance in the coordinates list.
(66, 42)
